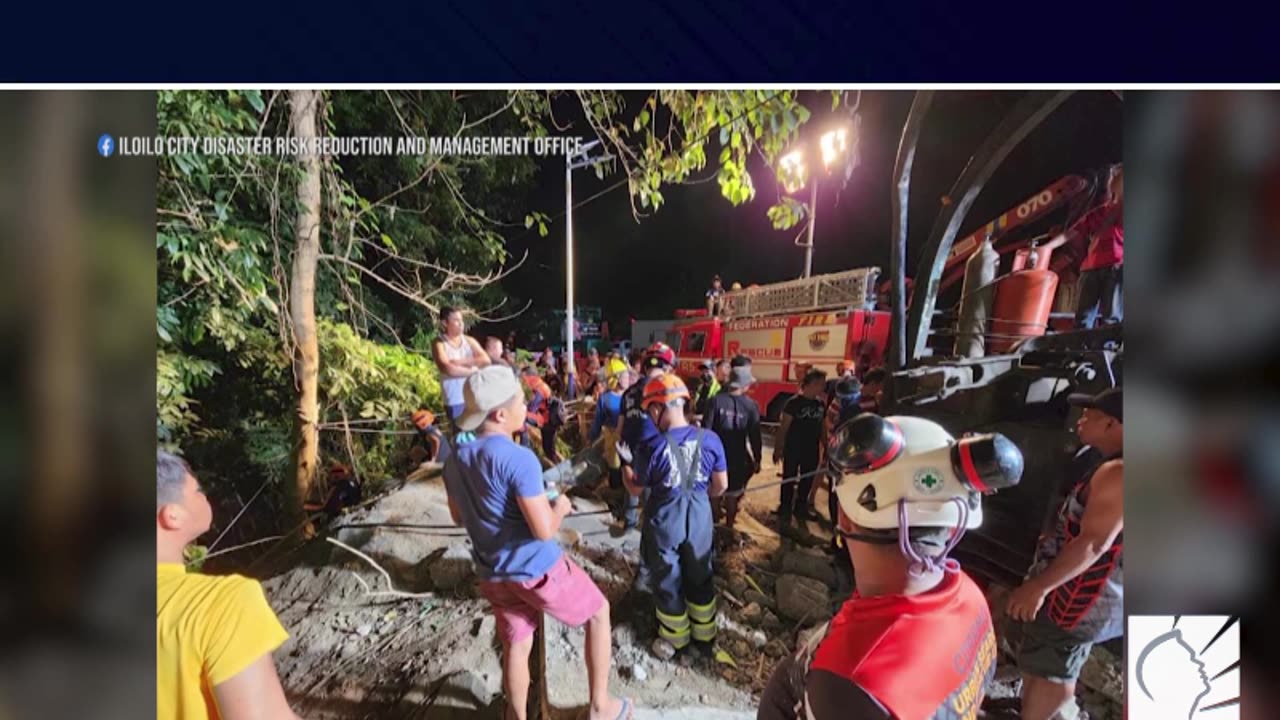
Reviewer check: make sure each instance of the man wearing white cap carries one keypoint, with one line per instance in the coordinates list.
(496, 492)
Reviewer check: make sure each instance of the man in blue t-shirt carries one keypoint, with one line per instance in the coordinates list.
(685, 468)
(496, 492)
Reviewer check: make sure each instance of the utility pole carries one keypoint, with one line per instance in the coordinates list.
(573, 161)
(813, 222)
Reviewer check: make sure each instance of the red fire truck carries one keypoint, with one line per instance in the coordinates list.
(787, 328)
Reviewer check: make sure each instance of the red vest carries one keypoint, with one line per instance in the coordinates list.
(924, 656)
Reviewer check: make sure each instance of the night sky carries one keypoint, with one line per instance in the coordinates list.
(648, 269)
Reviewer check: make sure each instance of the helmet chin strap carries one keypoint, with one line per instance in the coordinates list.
(921, 564)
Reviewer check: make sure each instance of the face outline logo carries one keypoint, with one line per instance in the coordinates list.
(819, 340)
(928, 481)
(1183, 665)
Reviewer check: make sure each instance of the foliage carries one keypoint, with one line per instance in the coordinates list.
(665, 141)
(226, 393)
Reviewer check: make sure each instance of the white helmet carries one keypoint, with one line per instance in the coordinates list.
(910, 471)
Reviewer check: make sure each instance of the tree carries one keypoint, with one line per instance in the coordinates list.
(275, 272)
(303, 105)
(664, 141)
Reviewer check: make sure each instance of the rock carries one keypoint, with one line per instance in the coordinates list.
(759, 598)
(771, 621)
(570, 538)
(663, 650)
(758, 639)
(484, 628)
(810, 565)
(473, 685)
(364, 630)
(752, 613)
(1101, 673)
(348, 651)
(452, 569)
(809, 635)
(802, 598)
(638, 673)
(704, 699)
(738, 585)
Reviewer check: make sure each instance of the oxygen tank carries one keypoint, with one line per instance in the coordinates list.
(1022, 307)
(977, 298)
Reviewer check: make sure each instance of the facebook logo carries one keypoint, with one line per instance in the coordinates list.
(106, 145)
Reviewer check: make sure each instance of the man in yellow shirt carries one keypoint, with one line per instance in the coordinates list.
(214, 634)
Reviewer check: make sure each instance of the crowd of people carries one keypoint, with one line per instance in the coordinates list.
(915, 639)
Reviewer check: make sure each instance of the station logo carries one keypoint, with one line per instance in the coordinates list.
(1184, 666)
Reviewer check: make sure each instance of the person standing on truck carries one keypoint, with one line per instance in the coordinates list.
(685, 468)
(458, 356)
(799, 432)
(1073, 596)
(715, 297)
(1100, 291)
(735, 419)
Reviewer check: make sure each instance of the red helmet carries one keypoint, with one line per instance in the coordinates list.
(659, 354)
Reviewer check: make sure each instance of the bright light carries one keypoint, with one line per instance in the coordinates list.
(793, 171)
(834, 144)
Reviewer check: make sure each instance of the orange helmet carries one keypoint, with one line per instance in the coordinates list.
(423, 418)
(658, 354)
(664, 390)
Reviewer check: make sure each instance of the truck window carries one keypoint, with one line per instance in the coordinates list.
(694, 342)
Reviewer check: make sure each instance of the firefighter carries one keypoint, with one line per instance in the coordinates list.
(636, 430)
(686, 468)
(916, 640)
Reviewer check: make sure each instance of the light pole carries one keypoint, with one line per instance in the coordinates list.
(573, 161)
(794, 172)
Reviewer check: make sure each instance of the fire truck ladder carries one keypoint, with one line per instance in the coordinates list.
(851, 289)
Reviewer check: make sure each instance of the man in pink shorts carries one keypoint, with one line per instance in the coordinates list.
(496, 492)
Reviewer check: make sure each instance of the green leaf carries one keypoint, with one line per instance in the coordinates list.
(386, 240)
(528, 221)
(255, 100)
(542, 229)
(736, 140)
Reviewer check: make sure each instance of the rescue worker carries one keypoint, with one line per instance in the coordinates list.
(797, 450)
(735, 419)
(605, 424)
(844, 405)
(709, 388)
(635, 428)
(539, 413)
(1073, 596)
(686, 468)
(916, 638)
(428, 444)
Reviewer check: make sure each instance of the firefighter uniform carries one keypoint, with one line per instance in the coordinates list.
(677, 550)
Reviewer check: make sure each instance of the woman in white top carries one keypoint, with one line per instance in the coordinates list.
(458, 356)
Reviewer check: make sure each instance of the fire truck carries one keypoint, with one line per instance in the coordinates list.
(787, 328)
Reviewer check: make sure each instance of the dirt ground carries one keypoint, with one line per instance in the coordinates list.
(424, 645)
